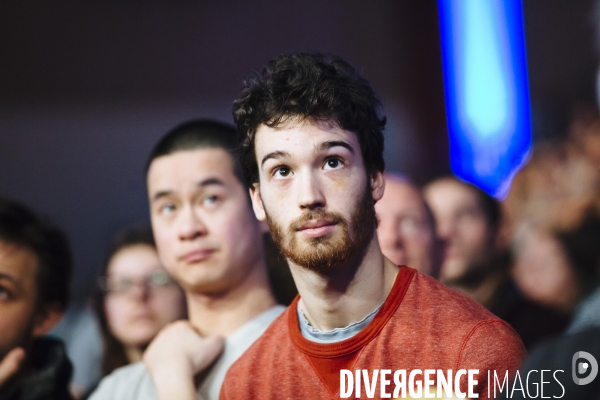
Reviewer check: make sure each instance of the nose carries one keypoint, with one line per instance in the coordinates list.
(191, 225)
(140, 291)
(310, 196)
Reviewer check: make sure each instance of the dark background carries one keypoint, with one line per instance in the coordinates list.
(88, 87)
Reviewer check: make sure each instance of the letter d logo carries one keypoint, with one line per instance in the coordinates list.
(583, 367)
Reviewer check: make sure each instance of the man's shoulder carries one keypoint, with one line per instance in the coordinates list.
(272, 342)
(435, 297)
(128, 382)
(453, 320)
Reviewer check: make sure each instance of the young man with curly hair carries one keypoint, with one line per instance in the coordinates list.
(312, 153)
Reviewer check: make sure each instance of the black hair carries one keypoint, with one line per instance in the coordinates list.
(21, 227)
(198, 134)
(309, 87)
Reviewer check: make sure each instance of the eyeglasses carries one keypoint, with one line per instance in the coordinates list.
(153, 281)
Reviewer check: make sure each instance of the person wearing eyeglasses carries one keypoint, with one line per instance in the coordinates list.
(137, 298)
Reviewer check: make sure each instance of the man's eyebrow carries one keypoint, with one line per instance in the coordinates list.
(335, 143)
(274, 154)
(210, 181)
(161, 194)
(7, 277)
(203, 183)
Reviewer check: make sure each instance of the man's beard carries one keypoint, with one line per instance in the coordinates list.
(325, 253)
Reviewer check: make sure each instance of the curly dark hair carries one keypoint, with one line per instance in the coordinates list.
(309, 86)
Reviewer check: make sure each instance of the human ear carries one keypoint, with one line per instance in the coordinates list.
(377, 185)
(257, 204)
(46, 320)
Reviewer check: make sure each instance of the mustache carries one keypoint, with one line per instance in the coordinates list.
(315, 215)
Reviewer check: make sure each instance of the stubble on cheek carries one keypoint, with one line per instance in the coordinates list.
(324, 253)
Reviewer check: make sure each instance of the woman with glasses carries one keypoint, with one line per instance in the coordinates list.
(137, 299)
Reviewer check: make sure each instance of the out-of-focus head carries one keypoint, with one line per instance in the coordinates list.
(312, 153)
(468, 221)
(558, 263)
(140, 296)
(205, 231)
(35, 269)
(406, 228)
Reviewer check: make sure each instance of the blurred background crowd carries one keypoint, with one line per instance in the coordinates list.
(87, 88)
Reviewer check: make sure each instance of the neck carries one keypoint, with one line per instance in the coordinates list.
(348, 293)
(222, 313)
(133, 354)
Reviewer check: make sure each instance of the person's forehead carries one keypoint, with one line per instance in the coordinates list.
(452, 193)
(301, 136)
(132, 260)
(190, 166)
(401, 195)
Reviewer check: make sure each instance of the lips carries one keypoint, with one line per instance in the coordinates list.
(196, 256)
(317, 228)
(142, 317)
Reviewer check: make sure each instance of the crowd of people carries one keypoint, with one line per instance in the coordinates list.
(293, 207)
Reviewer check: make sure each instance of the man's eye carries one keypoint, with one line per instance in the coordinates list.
(167, 209)
(119, 285)
(467, 213)
(4, 293)
(333, 163)
(282, 172)
(208, 200)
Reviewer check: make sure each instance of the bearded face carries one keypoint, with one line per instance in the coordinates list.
(324, 253)
(315, 193)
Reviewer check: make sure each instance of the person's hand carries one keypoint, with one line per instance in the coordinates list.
(176, 355)
(10, 364)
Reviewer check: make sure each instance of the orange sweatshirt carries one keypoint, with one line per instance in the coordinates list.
(421, 325)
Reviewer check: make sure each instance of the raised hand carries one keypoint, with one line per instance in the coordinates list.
(176, 355)
(10, 364)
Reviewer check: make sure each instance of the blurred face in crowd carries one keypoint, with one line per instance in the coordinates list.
(206, 233)
(406, 232)
(315, 193)
(462, 225)
(141, 297)
(20, 318)
(542, 271)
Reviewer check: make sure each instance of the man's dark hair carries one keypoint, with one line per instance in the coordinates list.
(198, 134)
(309, 87)
(21, 227)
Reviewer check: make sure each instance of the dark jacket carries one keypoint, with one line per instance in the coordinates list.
(50, 381)
(559, 354)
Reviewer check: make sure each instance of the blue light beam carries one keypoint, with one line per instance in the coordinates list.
(486, 90)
